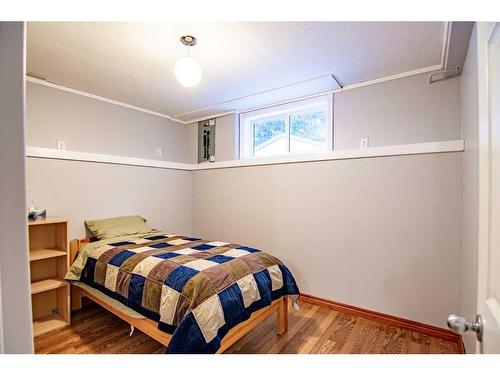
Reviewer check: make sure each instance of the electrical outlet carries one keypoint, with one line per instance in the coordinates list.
(363, 143)
(158, 151)
(61, 145)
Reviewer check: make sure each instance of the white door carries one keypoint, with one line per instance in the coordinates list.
(489, 258)
(487, 324)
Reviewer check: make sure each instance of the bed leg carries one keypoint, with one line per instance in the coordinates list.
(282, 313)
(76, 298)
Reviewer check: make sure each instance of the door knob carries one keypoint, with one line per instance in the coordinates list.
(460, 325)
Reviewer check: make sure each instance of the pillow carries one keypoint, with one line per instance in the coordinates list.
(118, 227)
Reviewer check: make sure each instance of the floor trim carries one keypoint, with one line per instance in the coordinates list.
(427, 329)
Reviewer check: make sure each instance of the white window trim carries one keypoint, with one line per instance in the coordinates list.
(246, 130)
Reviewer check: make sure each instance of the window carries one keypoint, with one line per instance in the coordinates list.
(300, 127)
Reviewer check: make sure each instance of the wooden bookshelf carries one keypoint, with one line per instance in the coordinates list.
(49, 220)
(45, 254)
(47, 284)
(49, 262)
(48, 324)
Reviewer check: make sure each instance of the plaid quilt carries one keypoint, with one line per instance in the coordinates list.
(196, 290)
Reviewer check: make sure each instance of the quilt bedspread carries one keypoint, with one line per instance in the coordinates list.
(196, 290)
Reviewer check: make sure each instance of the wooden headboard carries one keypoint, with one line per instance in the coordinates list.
(76, 245)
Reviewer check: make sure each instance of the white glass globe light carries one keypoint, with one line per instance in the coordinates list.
(188, 71)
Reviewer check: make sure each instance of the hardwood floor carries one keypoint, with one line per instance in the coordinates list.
(312, 329)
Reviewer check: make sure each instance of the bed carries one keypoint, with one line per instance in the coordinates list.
(191, 295)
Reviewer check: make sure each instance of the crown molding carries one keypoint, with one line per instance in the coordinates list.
(102, 99)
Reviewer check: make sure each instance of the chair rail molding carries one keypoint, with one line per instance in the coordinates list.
(371, 152)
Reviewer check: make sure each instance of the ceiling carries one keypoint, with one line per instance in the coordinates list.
(245, 64)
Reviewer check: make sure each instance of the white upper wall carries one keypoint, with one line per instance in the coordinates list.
(90, 125)
(402, 111)
(226, 139)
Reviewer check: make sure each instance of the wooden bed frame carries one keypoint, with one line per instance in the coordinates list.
(149, 327)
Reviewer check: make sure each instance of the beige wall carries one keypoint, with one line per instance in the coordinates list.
(15, 297)
(408, 110)
(469, 96)
(80, 191)
(90, 125)
(381, 233)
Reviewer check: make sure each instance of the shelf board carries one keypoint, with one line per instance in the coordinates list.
(47, 284)
(48, 324)
(46, 253)
(49, 220)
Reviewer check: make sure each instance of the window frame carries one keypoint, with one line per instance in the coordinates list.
(284, 110)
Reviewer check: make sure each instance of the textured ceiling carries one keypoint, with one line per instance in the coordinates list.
(134, 62)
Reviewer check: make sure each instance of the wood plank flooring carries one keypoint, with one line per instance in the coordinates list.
(312, 329)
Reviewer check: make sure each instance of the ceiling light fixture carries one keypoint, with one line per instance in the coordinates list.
(187, 68)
